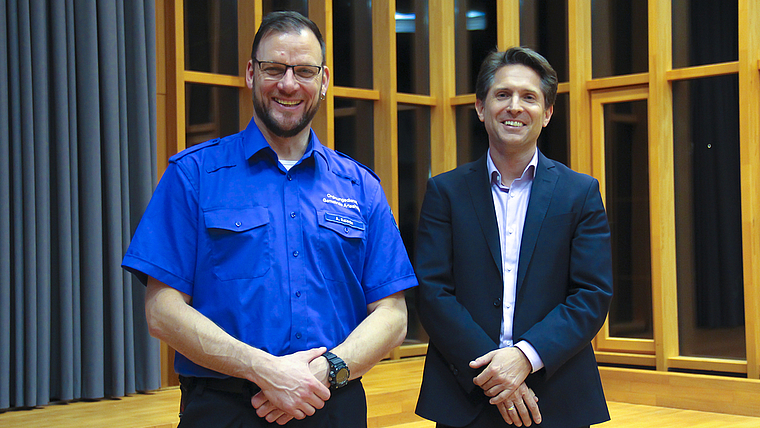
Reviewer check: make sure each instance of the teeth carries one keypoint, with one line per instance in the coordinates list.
(513, 123)
(288, 103)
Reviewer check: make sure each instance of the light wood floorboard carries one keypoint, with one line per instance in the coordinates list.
(391, 387)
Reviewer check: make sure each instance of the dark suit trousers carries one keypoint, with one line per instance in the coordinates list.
(490, 418)
(207, 407)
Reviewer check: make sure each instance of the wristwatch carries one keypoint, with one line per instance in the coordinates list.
(339, 372)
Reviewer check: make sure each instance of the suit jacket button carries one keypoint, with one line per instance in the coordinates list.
(453, 370)
(497, 302)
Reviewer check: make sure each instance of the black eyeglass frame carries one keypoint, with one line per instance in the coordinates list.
(295, 73)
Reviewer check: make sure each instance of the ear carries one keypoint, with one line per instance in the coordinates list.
(325, 80)
(548, 115)
(249, 69)
(480, 108)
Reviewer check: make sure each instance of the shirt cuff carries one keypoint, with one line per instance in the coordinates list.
(530, 352)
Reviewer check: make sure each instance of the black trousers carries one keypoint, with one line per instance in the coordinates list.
(213, 404)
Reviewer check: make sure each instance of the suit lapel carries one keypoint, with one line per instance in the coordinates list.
(480, 192)
(540, 197)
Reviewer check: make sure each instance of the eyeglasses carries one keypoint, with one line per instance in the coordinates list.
(276, 70)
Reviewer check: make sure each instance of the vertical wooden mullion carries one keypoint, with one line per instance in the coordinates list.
(579, 52)
(661, 185)
(321, 11)
(749, 138)
(508, 33)
(443, 147)
(385, 109)
(179, 75)
(249, 12)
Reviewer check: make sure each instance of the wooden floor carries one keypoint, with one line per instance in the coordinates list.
(391, 395)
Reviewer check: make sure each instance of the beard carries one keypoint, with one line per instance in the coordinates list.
(275, 127)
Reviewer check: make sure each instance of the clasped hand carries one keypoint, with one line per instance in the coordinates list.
(503, 379)
(293, 386)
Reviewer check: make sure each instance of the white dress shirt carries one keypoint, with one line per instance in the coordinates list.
(511, 204)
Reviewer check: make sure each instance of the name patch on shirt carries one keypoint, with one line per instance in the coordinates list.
(346, 221)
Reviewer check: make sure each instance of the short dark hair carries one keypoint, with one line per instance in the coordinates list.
(517, 55)
(286, 22)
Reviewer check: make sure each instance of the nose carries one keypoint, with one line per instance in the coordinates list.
(513, 104)
(288, 82)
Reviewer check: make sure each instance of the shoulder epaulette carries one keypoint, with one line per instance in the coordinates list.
(194, 149)
(366, 168)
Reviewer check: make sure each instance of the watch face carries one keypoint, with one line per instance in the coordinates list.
(342, 376)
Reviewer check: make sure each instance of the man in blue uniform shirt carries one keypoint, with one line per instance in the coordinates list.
(273, 264)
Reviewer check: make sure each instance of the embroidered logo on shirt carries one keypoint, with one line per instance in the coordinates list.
(341, 202)
(346, 221)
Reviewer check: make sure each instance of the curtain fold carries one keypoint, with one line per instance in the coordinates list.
(77, 168)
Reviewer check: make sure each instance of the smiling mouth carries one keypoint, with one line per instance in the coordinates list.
(513, 123)
(287, 103)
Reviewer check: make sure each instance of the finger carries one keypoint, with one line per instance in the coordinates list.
(502, 395)
(274, 415)
(522, 410)
(311, 354)
(512, 411)
(482, 360)
(504, 414)
(282, 420)
(258, 399)
(533, 407)
(323, 394)
(265, 409)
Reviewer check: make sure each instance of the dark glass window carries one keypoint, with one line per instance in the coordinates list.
(352, 44)
(705, 32)
(472, 138)
(412, 47)
(354, 131)
(619, 37)
(211, 36)
(554, 141)
(211, 112)
(300, 6)
(708, 217)
(475, 30)
(413, 172)
(543, 28)
(627, 203)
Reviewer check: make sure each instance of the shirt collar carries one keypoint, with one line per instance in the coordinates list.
(528, 173)
(254, 142)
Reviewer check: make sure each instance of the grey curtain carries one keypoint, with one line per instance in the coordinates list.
(77, 167)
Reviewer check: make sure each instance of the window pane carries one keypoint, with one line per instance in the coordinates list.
(554, 141)
(211, 37)
(627, 204)
(352, 44)
(412, 47)
(543, 28)
(619, 37)
(708, 217)
(705, 32)
(472, 139)
(211, 112)
(413, 172)
(354, 133)
(300, 6)
(475, 33)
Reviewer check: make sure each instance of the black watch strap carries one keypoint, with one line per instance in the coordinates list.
(339, 373)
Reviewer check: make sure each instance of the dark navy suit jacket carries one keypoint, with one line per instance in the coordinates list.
(564, 287)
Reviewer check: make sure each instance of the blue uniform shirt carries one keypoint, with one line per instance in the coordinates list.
(282, 260)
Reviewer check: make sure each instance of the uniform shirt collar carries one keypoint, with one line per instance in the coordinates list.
(254, 142)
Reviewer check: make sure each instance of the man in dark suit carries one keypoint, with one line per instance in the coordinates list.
(514, 266)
